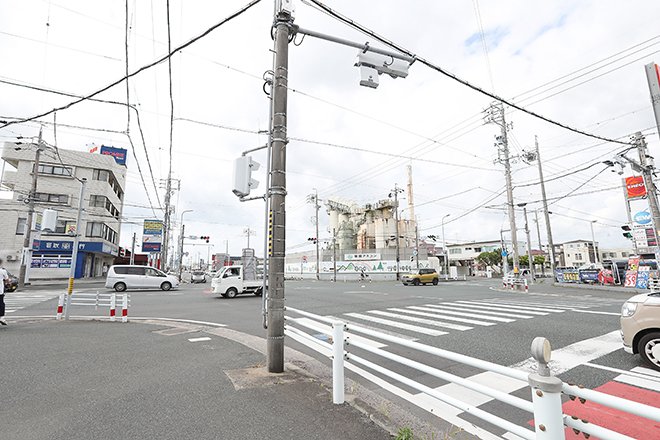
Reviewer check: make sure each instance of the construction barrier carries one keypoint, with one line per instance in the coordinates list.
(97, 300)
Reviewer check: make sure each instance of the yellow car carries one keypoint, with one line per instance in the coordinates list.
(420, 276)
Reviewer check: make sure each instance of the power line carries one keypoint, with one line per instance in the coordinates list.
(439, 69)
(141, 69)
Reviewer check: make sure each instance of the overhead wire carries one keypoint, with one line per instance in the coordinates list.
(353, 24)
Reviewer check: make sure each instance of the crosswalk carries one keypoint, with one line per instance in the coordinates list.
(439, 319)
(16, 301)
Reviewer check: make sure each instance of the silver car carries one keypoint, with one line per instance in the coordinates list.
(198, 277)
(124, 277)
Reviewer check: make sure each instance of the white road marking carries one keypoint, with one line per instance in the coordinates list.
(503, 308)
(199, 339)
(451, 306)
(412, 328)
(440, 316)
(421, 320)
(539, 309)
(328, 330)
(16, 301)
(439, 309)
(596, 313)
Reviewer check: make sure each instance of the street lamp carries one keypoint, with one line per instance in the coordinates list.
(444, 247)
(181, 243)
(593, 240)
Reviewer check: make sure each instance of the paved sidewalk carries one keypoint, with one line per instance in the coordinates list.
(152, 379)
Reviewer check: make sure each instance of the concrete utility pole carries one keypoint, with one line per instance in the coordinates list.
(315, 199)
(247, 231)
(275, 341)
(647, 171)
(183, 229)
(551, 245)
(334, 255)
(444, 248)
(27, 240)
(166, 220)
(530, 258)
(496, 116)
(593, 240)
(74, 254)
(538, 232)
(133, 250)
(417, 244)
(396, 192)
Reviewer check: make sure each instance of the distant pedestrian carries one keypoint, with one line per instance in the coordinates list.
(5, 278)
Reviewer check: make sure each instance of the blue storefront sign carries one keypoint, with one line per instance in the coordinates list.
(118, 153)
(589, 275)
(66, 247)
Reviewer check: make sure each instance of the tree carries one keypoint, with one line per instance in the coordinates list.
(493, 258)
(539, 259)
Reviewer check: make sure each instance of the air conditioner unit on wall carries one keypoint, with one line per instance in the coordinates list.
(12, 258)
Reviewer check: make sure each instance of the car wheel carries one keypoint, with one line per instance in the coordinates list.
(649, 349)
(120, 287)
(166, 286)
(416, 282)
(231, 292)
(435, 281)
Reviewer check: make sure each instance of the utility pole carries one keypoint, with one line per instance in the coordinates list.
(166, 220)
(593, 240)
(334, 255)
(133, 250)
(247, 231)
(74, 254)
(417, 244)
(496, 116)
(314, 198)
(183, 229)
(551, 245)
(444, 248)
(530, 258)
(647, 171)
(396, 192)
(538, 232)
(23, 276)
(275, 339)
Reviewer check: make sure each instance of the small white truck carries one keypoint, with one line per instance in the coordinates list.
(230, 281)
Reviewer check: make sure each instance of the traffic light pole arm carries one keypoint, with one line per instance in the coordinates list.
(247, 199)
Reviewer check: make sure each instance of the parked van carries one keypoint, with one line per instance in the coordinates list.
(123, 277)
(640, 327)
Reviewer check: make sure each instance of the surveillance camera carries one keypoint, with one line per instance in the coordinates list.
(368, 77)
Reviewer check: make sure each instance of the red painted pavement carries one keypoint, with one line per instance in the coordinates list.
(633, 426)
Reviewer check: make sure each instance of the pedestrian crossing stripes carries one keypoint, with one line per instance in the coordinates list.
(463, 315)
(19, 300)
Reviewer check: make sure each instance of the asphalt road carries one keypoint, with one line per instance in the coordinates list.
(575, 321)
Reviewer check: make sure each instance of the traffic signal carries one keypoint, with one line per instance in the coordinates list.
(627, 232)
(205, 237)
(313, 240)
(243, 181)
(412, 259)
(122, 252)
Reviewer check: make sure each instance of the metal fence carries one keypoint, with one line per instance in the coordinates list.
(111, 300)
(546, 390)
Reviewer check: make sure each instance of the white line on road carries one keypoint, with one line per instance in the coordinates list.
(446, 311)
(440, 316)
(596, 313)
(412, 328)
(503, 308)
(508, 306)
(421, 320)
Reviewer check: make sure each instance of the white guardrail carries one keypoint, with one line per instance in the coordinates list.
(511, 281)
(97, 300)
(545, 389)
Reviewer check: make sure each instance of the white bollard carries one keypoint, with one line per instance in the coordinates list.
(124, 308)
(113, 305)
(60, 306)
(338, 362)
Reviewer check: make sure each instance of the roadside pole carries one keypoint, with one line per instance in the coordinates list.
(133, 250)
(551, 245)
(74, 255)
(275, 339)
(24, 272)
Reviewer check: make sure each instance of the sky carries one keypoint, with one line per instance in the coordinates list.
(579, 63)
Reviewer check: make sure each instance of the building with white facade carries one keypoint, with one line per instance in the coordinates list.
(58, 188)
(575, 253)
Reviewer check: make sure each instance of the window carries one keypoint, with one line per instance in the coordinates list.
(107, 176)
(103, 202)
(55, 170)
(20, 226)
(578, 257)
(101, 230)
(63, 227)
(51, 198)
(625, 254)
(455, 251)
(477, 249)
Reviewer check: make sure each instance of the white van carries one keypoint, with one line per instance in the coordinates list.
(124, 277)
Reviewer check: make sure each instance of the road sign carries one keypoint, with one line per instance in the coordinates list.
(414, 252)
(304, 259)
(192, 237)
(504, 253)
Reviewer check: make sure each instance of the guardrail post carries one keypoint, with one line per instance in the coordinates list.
(546, 395)
(124, 308)
(60, 306)
(338, 362)
(526, 286)
(113, 304)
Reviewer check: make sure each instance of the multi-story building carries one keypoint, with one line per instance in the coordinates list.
(615, 253)
(464, 255)
(575, 253)
(58, 188)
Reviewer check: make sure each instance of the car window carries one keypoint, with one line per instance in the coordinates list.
(135, 270)
(121, 270)
(153, 272)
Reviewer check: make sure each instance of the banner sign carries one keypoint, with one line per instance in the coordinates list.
(153, 227)
(571, 276)
(643, 277)
(589, 275)
(151, 243)
(635, 187)
(560, 275)
(118, 153)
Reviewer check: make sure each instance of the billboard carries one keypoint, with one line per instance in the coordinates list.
(152, 235)
(635, 187)
(153, 227)
(118, 153)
